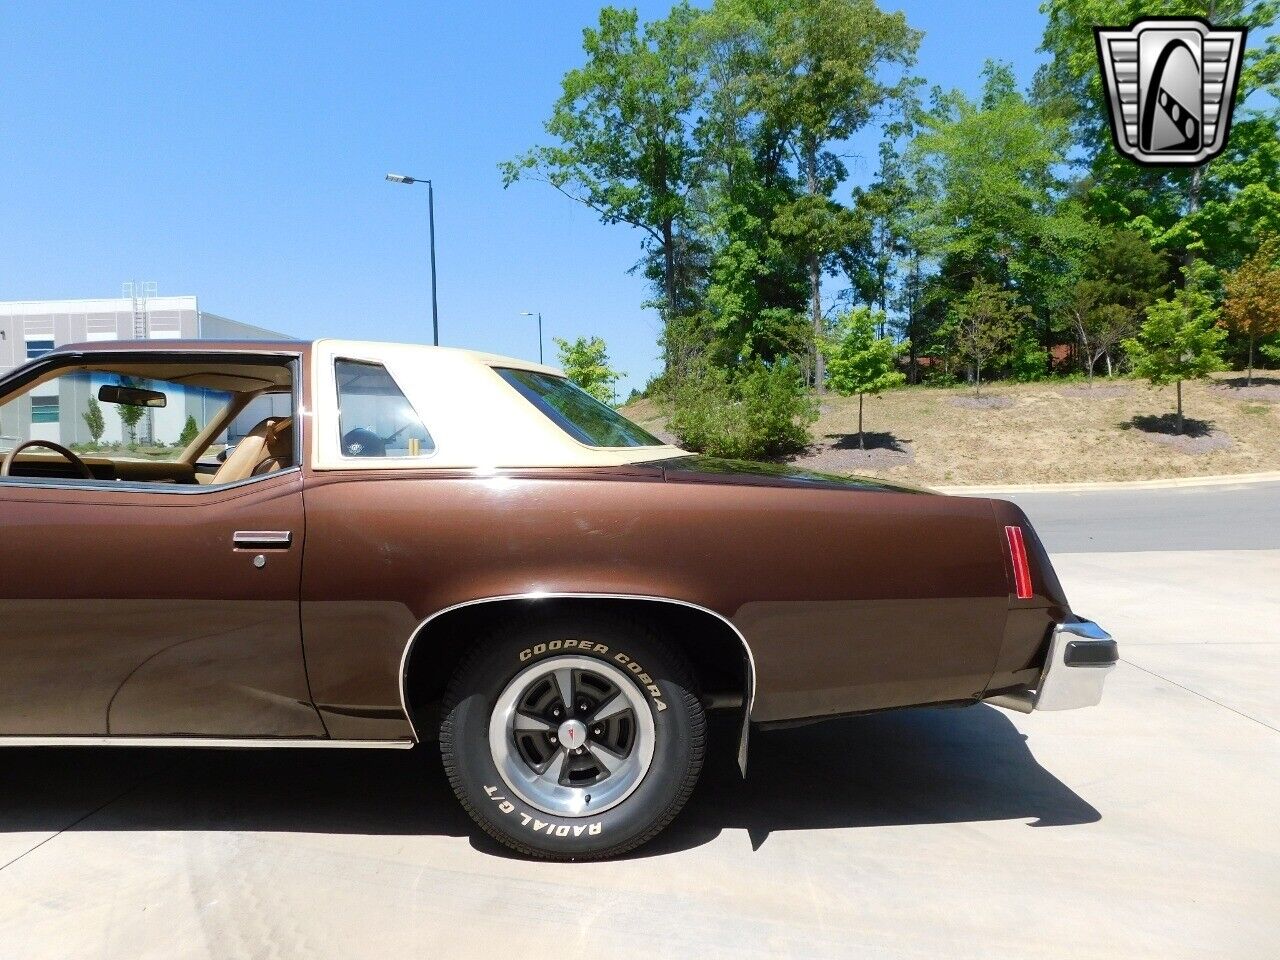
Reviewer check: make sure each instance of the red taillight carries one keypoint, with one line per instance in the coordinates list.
(1021, 569)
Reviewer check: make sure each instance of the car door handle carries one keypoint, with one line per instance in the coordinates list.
(262, 539)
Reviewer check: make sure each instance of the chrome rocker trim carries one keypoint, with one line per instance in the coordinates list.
(1080, 656)
(539, 595)
(226, 743)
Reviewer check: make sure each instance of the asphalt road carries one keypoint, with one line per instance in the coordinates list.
(1244, 517)
(1143, 828)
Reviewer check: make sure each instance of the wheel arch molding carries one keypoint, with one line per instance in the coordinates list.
(700, 633)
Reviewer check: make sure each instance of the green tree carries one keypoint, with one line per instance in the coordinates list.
(859, 362)
(819, 71)
(1118, 278)
(586, 363)
(882, 210)
(1252, 307)
(982, 325)
(94, 421)
(1215, 210)
(131, 415)
(190, 430)
(991, 203)
(1180, 339)
(623, 126)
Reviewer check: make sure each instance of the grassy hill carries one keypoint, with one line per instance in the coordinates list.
(1045, 432)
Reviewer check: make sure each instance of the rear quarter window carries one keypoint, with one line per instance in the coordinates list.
(576, 412)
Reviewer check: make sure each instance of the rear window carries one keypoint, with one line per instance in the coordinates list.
(576, 412)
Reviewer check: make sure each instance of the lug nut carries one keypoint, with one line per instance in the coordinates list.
(596, 731)
(555, 711)
(552, 738)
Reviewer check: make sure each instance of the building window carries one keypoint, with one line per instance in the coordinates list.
(44, 409)
(38, 348)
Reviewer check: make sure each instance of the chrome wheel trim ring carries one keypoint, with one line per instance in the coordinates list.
(555, 798)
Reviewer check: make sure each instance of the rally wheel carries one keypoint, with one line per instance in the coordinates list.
(573, 739)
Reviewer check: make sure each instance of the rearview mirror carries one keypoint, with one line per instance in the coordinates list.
(132, 396)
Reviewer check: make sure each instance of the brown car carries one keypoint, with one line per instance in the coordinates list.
(347, 544)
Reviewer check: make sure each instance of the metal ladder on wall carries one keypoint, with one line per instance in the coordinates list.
(140, 292)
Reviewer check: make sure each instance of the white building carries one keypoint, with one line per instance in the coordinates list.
(31, 328)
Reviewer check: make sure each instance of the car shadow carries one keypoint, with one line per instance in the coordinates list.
(890, 769)
(897, 768)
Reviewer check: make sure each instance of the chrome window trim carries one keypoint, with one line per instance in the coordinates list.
(219, 742)
(542, 595)
(139, 486)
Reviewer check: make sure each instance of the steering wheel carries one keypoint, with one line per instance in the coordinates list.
(362, 442)
(75, 461)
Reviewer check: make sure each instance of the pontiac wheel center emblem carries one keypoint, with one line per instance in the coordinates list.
(573, 734)
(1170, 85)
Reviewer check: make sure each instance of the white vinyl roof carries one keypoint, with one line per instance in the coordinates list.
(477, 420)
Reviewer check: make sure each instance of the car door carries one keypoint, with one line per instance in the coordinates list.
(153, 610)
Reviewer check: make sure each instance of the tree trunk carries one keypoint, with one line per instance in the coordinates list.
(669, 268)
(1108, 356)
(1193, 206)
(1089, 362)
(861, 443)
(815, 275)
(1180, 423)
(1249, 381)
(977, 380)
(1048, 345)
(913, 357)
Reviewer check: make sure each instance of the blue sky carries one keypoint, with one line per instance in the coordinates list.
(237, 152)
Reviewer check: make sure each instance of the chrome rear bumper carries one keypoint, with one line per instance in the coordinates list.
(1080, 656)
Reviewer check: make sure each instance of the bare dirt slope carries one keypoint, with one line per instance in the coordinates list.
(1046, 432)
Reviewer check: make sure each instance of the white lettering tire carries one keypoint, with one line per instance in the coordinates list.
(573, 738)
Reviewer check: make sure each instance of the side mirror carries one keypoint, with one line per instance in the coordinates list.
(132, 396)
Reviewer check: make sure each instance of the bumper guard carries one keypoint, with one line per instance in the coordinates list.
(1080, 656)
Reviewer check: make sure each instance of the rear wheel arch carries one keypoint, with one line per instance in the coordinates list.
(718, 652)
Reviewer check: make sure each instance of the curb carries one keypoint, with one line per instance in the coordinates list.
(1174, 483)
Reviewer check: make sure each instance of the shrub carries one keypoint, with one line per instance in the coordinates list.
(759, 411)
(1028, 360)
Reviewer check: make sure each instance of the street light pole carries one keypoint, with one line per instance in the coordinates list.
(526, 313)
(431, 227)
(431, 222)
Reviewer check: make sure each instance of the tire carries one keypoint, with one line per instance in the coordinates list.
(643, 736)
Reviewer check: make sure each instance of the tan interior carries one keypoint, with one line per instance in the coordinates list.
(266, 448)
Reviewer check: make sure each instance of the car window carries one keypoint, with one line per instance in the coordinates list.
(69, 410)
(375, 418)
(576, 412)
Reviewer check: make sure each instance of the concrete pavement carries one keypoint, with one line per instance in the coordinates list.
(1145, 827)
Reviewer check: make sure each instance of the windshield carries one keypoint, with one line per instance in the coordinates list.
(576, 412)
